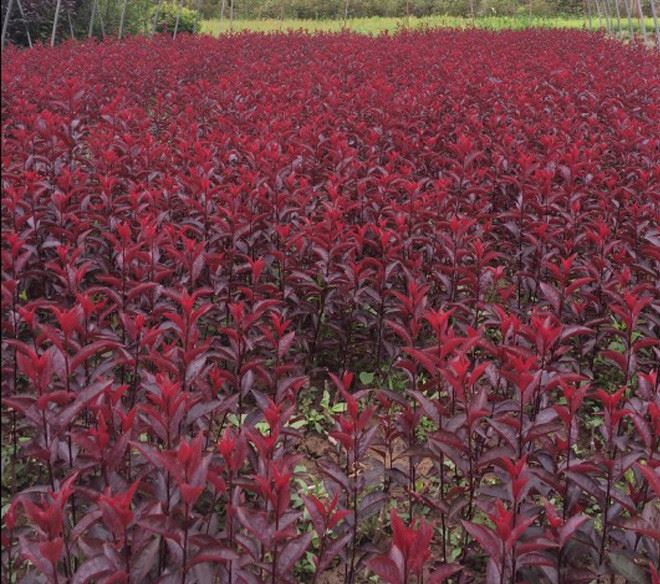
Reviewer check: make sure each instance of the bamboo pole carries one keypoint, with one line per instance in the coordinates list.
(231, 15)
(591, 25)
(25, 23)
(5, 23)
(654, 13)
(108, 6)
(642, 24)
(68, 16)
(631, 30)
(618, 17)
(199, 12)
(598, 12)
(101, 21)
(606, 11)
(178, 18)
(55, 19)
(122, 18)
(90, 30)
(156, 16)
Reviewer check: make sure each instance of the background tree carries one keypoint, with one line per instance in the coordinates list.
(25, 21)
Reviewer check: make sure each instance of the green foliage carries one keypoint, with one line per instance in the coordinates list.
(364, 16)
(74, 19)
(317, 418)
(366, 378)
(334, 9)
(189, 19)
(377, 25)
(136, 19)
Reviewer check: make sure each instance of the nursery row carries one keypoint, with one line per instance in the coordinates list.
(331, 308)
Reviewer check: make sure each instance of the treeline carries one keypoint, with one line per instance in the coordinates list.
(26, 22)
(323, 9)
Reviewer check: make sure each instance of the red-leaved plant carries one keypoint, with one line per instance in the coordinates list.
(262, 293)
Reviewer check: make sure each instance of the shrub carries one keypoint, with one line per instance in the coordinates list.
(74, 16)
(189, 19)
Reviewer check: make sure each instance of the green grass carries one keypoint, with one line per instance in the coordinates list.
(378, 25)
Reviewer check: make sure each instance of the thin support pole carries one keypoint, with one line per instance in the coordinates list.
(55, 20)
(631, 30)
(642, 24)
(90, 30)
(25, 22)
(618, 17)
(156, 17)
(73, 34)
(600, 16)
(606, 11)
(5, 23)
(122, 18)
(199, 12)
(654, 13)
(178, 18)
(101, 22)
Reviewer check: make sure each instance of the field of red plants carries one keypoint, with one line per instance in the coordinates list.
(331, 308)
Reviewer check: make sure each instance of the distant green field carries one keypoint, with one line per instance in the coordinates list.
(378, 25)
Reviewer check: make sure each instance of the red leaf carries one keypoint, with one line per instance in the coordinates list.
(385, 568)
(485, 537)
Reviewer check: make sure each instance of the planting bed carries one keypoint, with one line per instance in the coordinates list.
(331, 308)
